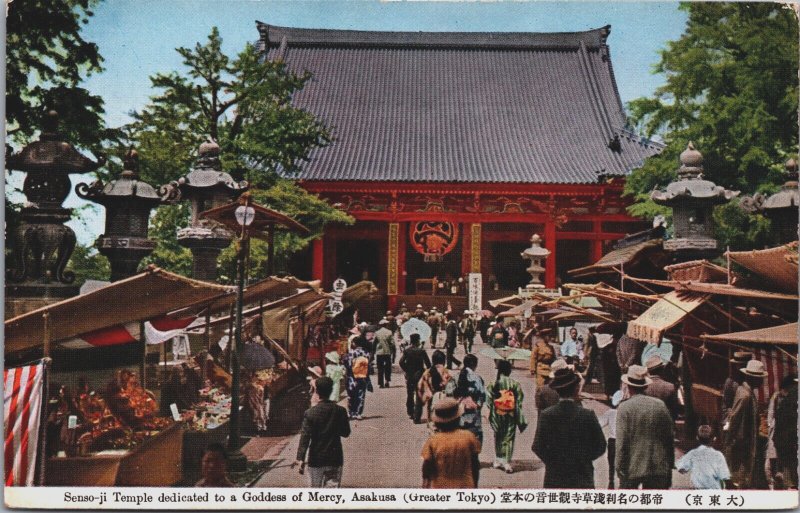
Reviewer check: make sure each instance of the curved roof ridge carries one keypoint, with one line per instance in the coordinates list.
(271, 35)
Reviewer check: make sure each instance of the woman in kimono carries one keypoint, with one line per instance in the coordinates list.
(505, 414)
(336, 372)
(471, 391)
(434, 382)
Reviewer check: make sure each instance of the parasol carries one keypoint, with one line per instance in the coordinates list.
(256, 357)
(415, 326)
(506, 353)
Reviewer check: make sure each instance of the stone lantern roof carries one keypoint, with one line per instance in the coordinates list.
(691, 185)
(207, 172)
(127, 186)
(788, 196)
(50, 154)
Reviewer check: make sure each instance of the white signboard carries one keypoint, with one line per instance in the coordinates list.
(475, 291)
(338, 286)
(335, 304)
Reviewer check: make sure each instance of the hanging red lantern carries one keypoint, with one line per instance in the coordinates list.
(433, 239)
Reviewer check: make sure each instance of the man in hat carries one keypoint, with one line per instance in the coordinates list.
(545, 395)
(384, 350)
(661, 388)
(419, 313)
(414, 362)
(434, 322)
(451, 341)
(568, 437)
(735, 378)
(645, 438)
(467, 331)
(450, 455)
(740, 432)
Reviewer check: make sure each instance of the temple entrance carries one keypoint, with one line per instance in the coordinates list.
(508, 267)
(571, 255)
(448, 269)
(358, 260)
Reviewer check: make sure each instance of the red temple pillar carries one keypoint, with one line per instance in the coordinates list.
(551, 262)
(317, 260)
(597, 243)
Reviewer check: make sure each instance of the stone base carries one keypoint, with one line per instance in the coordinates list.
(16, 306)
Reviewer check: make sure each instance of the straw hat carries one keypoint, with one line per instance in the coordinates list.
(419, 306)
(563, 378)
(637, 377)
(755, 368)
(447, 410)
(557, 365)
(383, 322)
(654, 362)
(741, 357)
(332, 357)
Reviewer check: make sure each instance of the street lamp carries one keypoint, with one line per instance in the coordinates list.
(248, 219)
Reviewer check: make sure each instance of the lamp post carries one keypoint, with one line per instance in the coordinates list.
(247, 219)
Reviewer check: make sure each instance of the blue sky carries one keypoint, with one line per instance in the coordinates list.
(137, 38)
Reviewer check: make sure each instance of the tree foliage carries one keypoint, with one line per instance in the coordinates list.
(732, 88)
(245, 104)
(46, 60)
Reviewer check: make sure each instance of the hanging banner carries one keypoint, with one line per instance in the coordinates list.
(433, 239)
(22, 402)
(475, 291)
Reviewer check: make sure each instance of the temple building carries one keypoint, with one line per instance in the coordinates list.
(452, 149)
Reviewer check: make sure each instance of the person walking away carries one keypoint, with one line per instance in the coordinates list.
(661, 388)
(254, 403)
(609, 419)
(433, 322)
(324, 426)
(740, 432)
(592, 354)
(498, 337)
(356, 365)
(413, 363)
(572, 347)
(568, 437)
(451, 342)
(483, 327)
(384, 349)
(467, 330)
(336, 372)
(707, 466)
(471, 392)
(645, 439)
(542, 356)
(732, 382)
(783, 433)
(214, 468)
(612, 376)
(450, 455)
(505, 414)
(545, 395)
(432, 382)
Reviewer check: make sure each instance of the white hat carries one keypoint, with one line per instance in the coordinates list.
(755, 368)
(637, 377)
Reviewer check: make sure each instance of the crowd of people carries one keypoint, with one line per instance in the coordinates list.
(641, 388)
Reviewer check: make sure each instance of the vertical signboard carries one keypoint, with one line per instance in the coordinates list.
(475, 291)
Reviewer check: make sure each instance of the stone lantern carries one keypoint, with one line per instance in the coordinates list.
(781, 207)
(537, 255)
(42, 245)
(692, 200)
(128, 202)
(206, 186)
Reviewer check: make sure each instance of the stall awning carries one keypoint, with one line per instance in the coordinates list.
(664, 314)
(267, 290)
(145, 296)
(777, 267)
(519, 310)
(613, 259)
(721, 289)
(785, 334)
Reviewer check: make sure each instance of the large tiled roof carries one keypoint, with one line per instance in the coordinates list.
(461, 107)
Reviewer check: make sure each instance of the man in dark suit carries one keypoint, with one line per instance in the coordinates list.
(324, 425)
(414, 362)
(451, 330)
(568, 437)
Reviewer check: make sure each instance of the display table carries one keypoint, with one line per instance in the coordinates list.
(157, 461)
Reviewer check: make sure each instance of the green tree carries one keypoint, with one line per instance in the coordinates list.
(245, 104)
(46, 60)
(732, 88)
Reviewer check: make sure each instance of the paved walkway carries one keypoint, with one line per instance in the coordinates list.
(384, 448)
